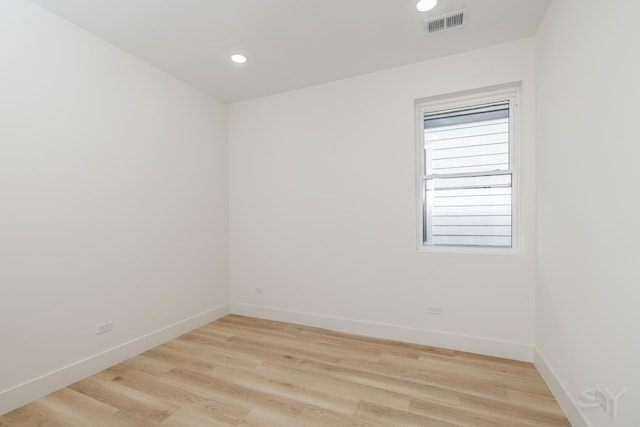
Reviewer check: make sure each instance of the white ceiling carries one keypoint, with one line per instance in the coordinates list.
(290, 43)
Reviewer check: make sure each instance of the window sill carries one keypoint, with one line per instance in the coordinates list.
(469, 250)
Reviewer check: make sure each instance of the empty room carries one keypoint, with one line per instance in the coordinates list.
(379, 213)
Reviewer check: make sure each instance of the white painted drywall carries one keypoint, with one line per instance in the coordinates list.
(323, 211)
(113, 197)
(587, 317)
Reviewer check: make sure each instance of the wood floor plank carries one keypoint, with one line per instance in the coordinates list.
(394, 418)
(125, 399)
(470, 374)
(503, 410)
(196, 417)
(238, 396)
(179, 358)
(299, 394)
(242, 372)
(69, 407)
(458, 415)
(33, 415)
(544, 403)
(112, 372)
(341, 389)
(150, 365)
(407, 387)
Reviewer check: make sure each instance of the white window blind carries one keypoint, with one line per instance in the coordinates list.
(467, 177)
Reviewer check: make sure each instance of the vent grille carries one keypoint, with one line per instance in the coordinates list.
(445, 22)
(455, 20)
(435, 25)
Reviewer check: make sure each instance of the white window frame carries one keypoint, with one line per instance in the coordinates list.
(495, 94)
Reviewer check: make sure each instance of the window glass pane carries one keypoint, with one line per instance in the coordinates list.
(469, 211)
(468, 140)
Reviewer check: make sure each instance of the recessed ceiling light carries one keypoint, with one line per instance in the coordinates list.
(426, 5)
(239, 59)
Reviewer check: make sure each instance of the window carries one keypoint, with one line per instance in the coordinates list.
(467, 171)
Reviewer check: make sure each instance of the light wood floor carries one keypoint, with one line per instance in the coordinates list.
(240, 371)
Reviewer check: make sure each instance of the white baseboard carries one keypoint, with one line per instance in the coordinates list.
(559, 391)
(29, 391)
(486, 346)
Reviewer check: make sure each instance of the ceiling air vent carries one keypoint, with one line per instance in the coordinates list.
(445, 22)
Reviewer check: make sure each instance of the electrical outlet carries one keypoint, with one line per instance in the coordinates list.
(434, 309)
(104, 327)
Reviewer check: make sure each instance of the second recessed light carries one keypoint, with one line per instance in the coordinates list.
(426, 5)
(239, 59)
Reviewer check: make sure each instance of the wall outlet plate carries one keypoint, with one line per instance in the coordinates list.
(434, 309)
(104, 327)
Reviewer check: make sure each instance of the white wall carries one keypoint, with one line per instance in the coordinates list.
(588, 320)
(113, 193)
(323, 211)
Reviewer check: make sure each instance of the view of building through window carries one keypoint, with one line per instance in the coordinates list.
(467, 177)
